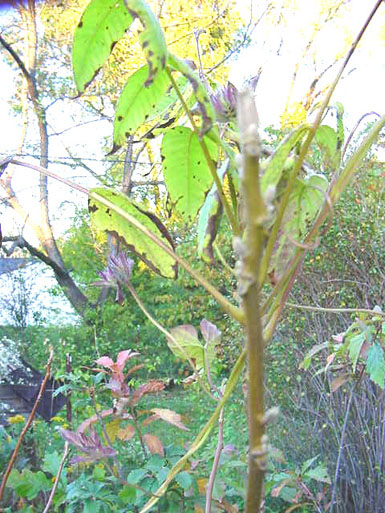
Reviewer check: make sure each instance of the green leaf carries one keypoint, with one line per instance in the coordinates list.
(375, 364)
(136, 475)
(102, 24)
(51, 463)
(319, 474)
(151, 38)
(184, 480)
(127, 494)
(187, 344)
(28, 484)
(112, 219)
(138, 103)
(326, 139)
(276, 164)
(186, 171)
(354, 348)
(208, 224)
(304, 204)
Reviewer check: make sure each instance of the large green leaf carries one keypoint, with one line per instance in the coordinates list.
(103, 23)
(186, 171)
(151, 38)
(375, 364)
(112, 221)
(138, 103)
(275, 166)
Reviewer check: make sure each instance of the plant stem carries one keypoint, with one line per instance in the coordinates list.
(213, 473)
(249, 290)
(212, 167)
(57, 477)
(27, 424)
(335, 310)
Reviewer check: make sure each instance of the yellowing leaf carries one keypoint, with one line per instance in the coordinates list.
(112, 429)
(170, 416)
(153, 444)
(126, 433)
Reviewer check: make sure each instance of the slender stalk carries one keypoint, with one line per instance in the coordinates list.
(248, 288)
(335, 310)
(27, 424)
(57, 477)
(213, 169)
(106, 437)
(232, 310)
(340, 450)
(214, 468)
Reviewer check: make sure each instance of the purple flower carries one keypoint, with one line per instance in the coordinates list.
(91, 445)
(224, 101)
(118, 271)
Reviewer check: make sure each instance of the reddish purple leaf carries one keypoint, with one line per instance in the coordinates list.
(210, 332)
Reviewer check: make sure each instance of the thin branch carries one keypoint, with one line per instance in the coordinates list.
(214, 468)
(335, 310)
(27, 424)
(16, 58)
(57, 477)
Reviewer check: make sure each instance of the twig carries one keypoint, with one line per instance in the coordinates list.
(57, 477)
(28, 423)
(340, 450)
(213, 473)
(335, 310)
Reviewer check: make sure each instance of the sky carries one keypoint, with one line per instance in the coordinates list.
(360, 91)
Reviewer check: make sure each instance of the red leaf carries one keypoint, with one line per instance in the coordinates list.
(147, 388)
(154, 444)
(123, 356)
(106, 361)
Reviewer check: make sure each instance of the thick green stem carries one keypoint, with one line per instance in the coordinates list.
(250, 254)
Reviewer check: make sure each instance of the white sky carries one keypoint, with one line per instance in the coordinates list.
(362, 89)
